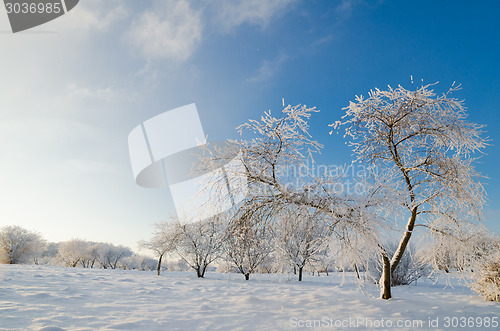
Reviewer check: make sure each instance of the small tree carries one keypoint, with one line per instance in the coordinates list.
(301, 235)
(199, 244)
(423, 145)
(163, 241)
(18, 245)
(249, 239)
(93, 251)
(110, 255)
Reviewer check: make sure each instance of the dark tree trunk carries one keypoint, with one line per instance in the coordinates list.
(247, 276)
(385, 279)
(300, 273)
(357, 271)
(158, 267)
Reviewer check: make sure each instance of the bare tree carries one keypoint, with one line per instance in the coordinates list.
(249, 239)
(199, 244)
(163, 241)
(424, 146)
(18, 245)
(92, 256)
(110, 255)
(301, 235)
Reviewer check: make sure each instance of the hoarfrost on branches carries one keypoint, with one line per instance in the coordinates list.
(426, 148)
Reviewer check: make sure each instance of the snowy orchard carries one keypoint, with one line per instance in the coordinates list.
(424, 149)
(420, 190)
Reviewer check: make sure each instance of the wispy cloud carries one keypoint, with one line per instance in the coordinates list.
(346, 7)
(174, 29)
(170, 30)
(93, 15)
(87, 92)
(268, 69)
(256, 12)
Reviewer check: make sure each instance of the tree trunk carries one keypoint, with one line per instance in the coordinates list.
(247, 276)
(385, 279)
(158, 267)
(294, 270)
(300, 273)
(357, 271)
(404, 241)
(198, 272)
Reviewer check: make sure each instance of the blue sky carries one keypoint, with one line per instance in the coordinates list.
(71, 90)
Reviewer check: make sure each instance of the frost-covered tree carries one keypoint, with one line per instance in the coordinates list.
(301, 235)
(275, 153)
(138, 262)
(18, 245)
(110, 255)
(49, 254)
(249, 239)
(200, 243)
(425, 147)
(73, 252)
(163, 241)
(92, 256)
(271, 150)
(324, 262)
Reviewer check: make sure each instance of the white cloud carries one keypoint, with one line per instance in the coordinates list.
(170, 30)
(98, 15)
(256, 12)
(74, 90)
(268, 69)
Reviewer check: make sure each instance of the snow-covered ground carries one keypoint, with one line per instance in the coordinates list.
(57, 298)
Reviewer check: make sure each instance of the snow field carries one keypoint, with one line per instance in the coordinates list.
(58, 298)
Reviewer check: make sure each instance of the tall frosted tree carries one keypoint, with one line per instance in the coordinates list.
(425, 148)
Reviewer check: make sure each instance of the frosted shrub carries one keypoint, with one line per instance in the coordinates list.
(487, 279)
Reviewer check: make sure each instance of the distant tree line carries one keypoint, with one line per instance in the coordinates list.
(21, 246)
